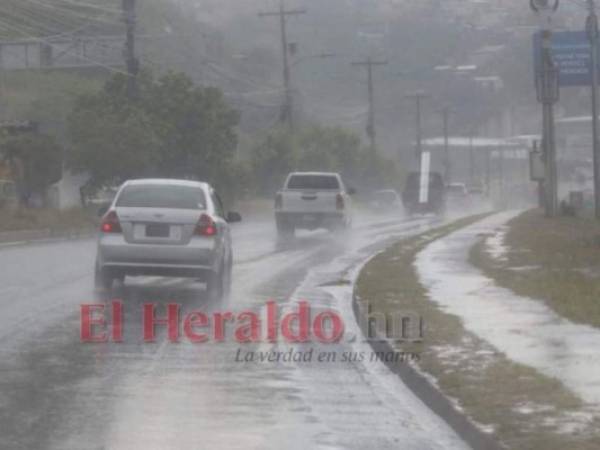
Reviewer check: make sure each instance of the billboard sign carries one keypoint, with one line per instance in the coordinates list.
(571, 54)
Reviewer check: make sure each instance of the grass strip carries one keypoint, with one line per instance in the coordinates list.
(520, 407)
(554, 260)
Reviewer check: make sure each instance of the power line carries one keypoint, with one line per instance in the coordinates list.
(67, 51)
(67, 11)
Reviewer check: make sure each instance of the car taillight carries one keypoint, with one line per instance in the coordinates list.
(206, 226)
(278, 201)
(339, 202)
(110, 223)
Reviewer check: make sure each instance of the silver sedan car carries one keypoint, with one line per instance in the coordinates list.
(166, 228)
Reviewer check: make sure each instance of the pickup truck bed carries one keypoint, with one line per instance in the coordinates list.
(311, 201)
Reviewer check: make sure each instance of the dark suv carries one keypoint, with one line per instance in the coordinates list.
(432, 200)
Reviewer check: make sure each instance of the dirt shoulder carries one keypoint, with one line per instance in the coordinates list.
(51, 220)
(514, 404)
(554, 260)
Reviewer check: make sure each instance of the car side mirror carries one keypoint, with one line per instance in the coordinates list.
(233, 217)
(351, 191)
(102, 210)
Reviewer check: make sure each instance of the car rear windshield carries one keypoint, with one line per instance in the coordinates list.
(162, 196)
(317, 182)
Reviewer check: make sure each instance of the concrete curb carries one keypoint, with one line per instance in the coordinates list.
(430, 395)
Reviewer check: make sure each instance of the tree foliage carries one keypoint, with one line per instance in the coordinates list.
(272, 158)
(318, 148)
(171, 129)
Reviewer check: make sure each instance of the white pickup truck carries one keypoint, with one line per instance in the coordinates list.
(312, 200)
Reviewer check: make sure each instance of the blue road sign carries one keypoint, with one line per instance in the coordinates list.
(571, 54)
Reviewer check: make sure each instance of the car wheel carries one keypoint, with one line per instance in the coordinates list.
(285, 229)
(228, 279)
(215, 285)
(102, 279)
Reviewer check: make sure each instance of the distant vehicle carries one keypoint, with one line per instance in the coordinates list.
(476, 190)
(166, 228)
(8, 194)
(457, 189)
(458, 195)
(312, 200)
(386, 200)
(435, 201)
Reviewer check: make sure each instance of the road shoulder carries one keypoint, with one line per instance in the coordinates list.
(510, 403)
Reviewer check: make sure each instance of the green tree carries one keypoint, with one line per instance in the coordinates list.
(273, 158)
(172, 129)
(195, 126)
(318, 148)
(331, 149)
(111, 144)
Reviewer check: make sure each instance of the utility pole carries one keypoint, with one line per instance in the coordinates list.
(445, 112)
(369, 63)
(132, 63)
(592, 29)
(287, 114)
(549, 82)
(418, 97)
(471, 158)
(547, 87)
(488, 172)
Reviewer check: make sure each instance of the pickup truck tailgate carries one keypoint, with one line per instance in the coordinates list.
(309, 201)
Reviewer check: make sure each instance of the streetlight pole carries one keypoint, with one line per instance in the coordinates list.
(592, 29)
(548, 91)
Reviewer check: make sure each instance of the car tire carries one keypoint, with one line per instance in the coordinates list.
(103, 281)
(228, 279)
(285, 229)
(216, 285)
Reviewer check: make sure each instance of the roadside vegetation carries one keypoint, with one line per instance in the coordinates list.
(52, 220)
(279, 152)
(178, 125)
(557, 261)
(520, 407)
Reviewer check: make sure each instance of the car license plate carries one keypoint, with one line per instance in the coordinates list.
(157, 230)
(309, 218)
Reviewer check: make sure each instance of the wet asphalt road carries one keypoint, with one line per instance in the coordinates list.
(58, 393)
